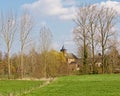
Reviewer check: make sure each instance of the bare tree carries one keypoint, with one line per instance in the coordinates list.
(26, 26)
(81, 33)
(106, 20)
(92, 32)
(32, 57)
(91, 22)
(113, 60)
(45, 44)
(8, 29)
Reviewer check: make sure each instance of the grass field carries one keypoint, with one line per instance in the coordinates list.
(84, 85)
(16, 86)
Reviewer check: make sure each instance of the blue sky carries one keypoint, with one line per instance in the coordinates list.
(56, 14)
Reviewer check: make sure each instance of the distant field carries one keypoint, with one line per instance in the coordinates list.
(16, 86)
(84, 85)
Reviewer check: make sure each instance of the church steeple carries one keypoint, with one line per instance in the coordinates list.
(63, 50)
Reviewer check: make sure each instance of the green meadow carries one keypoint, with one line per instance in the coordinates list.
(17, 86)
(83, 85)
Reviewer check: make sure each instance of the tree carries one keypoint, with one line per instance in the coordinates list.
(92, 32)
(113, 55)
(57, 64)
(1, 64)
(81, 34)
(26, 26)
(91, 22)
(15, 68)
(45, 44)
(32, 61)
(106, 21)
(8, 29)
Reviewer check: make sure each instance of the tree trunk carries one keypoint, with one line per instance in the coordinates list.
(21, 63)
(9, 66)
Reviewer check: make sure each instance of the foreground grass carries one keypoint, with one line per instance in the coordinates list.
(16, 86)
(85, 85)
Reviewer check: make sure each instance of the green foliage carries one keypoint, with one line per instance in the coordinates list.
(56, 63)
(84, 85)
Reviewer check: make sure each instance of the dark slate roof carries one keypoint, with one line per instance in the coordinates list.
(71, 56)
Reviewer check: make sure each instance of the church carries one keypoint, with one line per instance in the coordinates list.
(71, 60)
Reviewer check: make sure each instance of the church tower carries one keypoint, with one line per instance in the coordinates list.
(63, 50)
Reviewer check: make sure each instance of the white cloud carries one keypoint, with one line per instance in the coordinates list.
(52, 8)
(63, 9)
(112, 4)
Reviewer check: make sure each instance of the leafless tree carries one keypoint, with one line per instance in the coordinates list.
(32, 57)
(92, 32)
(91, 22)
(45, 45)
(81, 32)
(26, 26)
(106, 21)
(8, 30)
(113, 61)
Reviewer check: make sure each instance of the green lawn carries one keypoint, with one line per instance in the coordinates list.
(16, 86)
(84, 85)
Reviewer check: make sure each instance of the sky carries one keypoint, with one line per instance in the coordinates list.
(58, 15)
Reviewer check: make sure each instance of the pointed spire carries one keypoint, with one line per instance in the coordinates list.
(63, 49)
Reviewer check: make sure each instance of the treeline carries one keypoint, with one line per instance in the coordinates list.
(96, 33)
(39, 62)
(35, 65)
